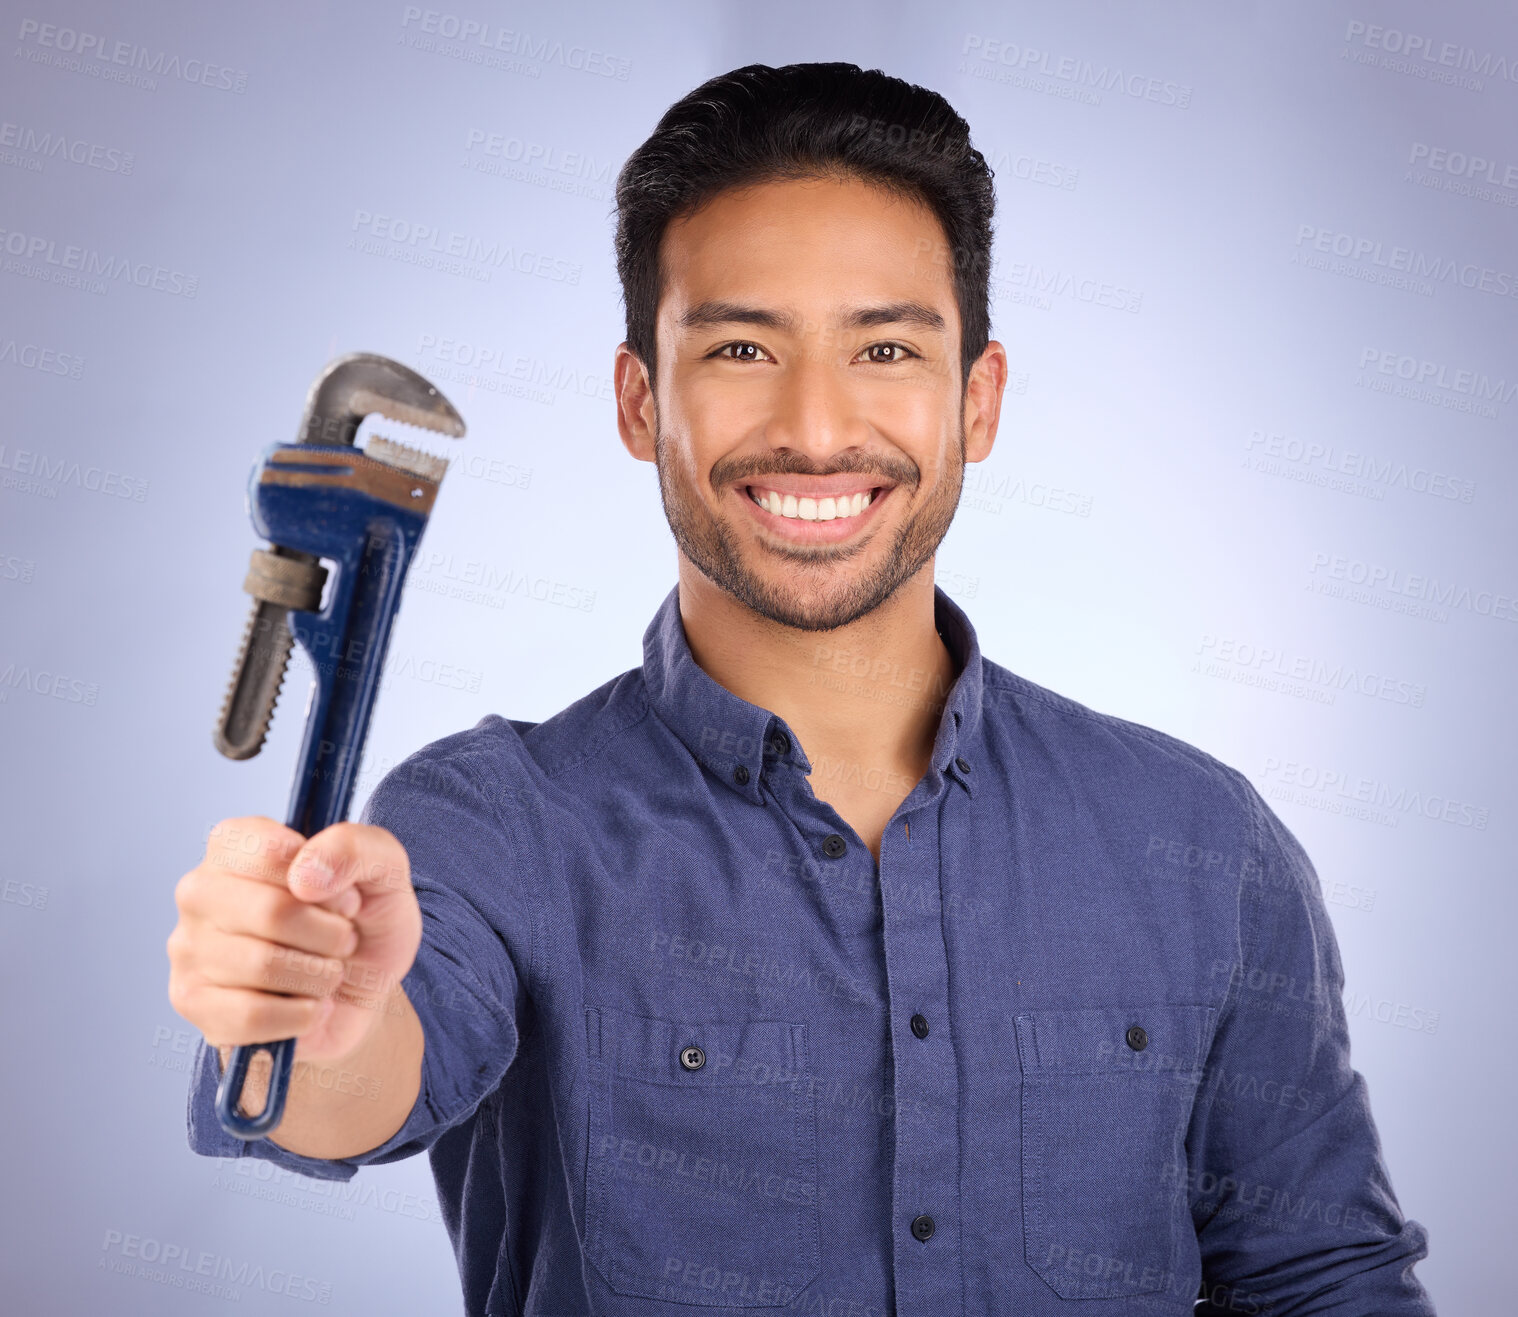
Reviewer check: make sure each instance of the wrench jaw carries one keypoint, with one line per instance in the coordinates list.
(362, 383)
(257, 678)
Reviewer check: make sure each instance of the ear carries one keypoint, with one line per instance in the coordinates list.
(983, 393)
(635, 404)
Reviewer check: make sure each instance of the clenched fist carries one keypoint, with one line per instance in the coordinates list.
(284, 937)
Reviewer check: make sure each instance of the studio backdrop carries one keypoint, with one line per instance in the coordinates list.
(1256, 271)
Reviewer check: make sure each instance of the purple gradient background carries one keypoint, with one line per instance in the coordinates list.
(1123, 544)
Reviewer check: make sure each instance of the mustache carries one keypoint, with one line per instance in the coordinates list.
(748, 470)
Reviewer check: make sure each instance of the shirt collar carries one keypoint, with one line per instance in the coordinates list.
(736, 741)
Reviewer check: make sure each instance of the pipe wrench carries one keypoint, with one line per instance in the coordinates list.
(362, 510)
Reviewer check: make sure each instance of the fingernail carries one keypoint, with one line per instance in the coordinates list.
(349, 902)
(314, 871)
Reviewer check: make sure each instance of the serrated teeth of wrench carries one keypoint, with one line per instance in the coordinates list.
(364, 402)
(426, 465)
(256, 680)
(279, 579)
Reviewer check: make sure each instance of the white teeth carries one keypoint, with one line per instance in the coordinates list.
(809, 509)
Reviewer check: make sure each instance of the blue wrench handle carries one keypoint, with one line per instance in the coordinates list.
(314, 499)
(230, 1089)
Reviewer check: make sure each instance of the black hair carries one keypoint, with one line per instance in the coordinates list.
(760, 124)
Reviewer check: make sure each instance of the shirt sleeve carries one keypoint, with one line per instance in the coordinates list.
(1292, 1202)
(465, 984)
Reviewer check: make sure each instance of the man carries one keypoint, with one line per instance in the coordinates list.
(820, 962)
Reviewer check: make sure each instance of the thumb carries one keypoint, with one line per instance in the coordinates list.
(340, 865)
(313, 877)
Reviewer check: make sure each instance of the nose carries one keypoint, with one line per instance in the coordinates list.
(814, 410)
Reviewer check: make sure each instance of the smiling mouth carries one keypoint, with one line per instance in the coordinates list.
(832, 507)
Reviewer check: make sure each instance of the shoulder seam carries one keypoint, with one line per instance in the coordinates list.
(1063, 704)
(640, 711)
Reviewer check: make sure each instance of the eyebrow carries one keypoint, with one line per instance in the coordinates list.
(715, 311)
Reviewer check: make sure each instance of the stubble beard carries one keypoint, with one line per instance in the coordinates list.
(817, 596)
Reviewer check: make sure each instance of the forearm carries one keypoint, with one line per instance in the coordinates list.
(354, 1103)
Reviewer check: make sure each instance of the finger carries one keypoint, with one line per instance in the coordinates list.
(234, 1017)
(347, 902)
(253, 847)
(231, 960)
(349, 855)
(235, 905)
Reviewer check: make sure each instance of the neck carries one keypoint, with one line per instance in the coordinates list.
(864, 699)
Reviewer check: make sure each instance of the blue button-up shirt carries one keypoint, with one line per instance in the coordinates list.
(1078, 1035)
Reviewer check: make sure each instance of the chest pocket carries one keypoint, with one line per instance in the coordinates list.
(1106, 1099)
(701, 1177)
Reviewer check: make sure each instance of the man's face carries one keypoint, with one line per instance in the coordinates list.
(809, 428)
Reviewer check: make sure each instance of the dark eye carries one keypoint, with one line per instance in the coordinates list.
(746, 350)
(902, 353)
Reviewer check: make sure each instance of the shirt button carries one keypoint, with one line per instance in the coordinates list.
(962, 764)
(741, 774)
(920, 1025)
(1137, 1038)
(922, 1227)
(692, 1057)
(780, 743)
(833, 845)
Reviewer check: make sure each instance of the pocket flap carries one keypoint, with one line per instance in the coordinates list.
(732, 1051)
(1096, 1039)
